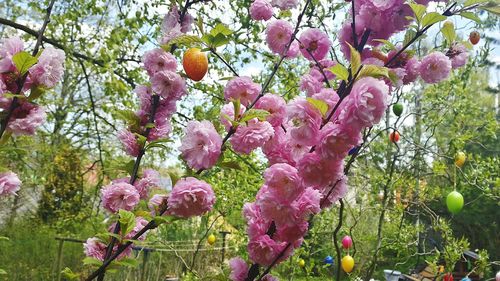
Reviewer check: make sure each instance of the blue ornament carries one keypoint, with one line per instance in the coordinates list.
(354, 150)
(328, 260)
(466, 279)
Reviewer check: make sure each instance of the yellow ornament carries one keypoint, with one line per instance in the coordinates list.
(460, 159)
(347, 263)
(211, 239)
(302, 263)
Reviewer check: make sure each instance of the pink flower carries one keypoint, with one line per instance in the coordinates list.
(261, 10)
(275, 105)
(458, 55)
(337, 140)
(158, 60)
(26, 118)
(239, 269)
(293, 51)
(304, 121)
(278, 35)
(310, 84)
(10, 47)
(412, 69)
(166, 107)
(140, 223)
(94, 248)
(274, 208)
(9, 183)
(277, 149)
(366, 104)
(316, 41)
(129, 142)
(172, 21)
(435, 67)
(150, 178)
(242, 88)
(308, 202)
(283, 180)
(329, 96)
(161, 128)
(155, 202)
(190, 197)
(285, 4)
(168, 84)
(49, 68)
(201, 146)
(119, 195)
(324, 64)
(263, 250)
(227, 111)
(249, 137)
(269, 277)
(335, 192)
(317, 172)
(292, 232)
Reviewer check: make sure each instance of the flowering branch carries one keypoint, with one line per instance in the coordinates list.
(22, 79)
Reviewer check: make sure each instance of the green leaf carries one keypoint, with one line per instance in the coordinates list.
(127, 221)
(2, 272)
(254, 113)
(340, 71)
(221, 29)
(68, 274)
(355, 60)
(236, 108)
(174, 177)
(199, 23)
(387, 43)
(23, 61)
(319, 104)
(448, 31)
(183, 40)
(36, 92)
(472, 2)
(92, 261)
(471, 16)
(418, 10)
(219, 40)
(375, 71)
(230, 164)
(432, 18)
(129, 116)
(409, 35)
(492, 8)
(3, 238)
(164, 219)
(128, 262)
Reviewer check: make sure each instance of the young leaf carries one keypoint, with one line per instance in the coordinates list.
(127, 221)
(68, 274)
(36, 92)
(432, 18)
(128, 116)
(471, 16)
(355, 60)
(319, 104)
(185, 40)
(221, 29)
(418, 10)
(230, 164)
(92, 261)
(219, 40)
(254, 113)
(128, 262)
(387, 43)
(23, 61)
(340, 71)
(373, 71)
(448, 31)
(472, 2)
(2, 272)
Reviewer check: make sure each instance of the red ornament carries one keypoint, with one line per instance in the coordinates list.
(394, 136)
(474, 37)
(448, 277)
(347, 242)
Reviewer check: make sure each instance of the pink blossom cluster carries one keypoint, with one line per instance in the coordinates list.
(43, 75)
(9, 183)
(263, 9)
(172, 26)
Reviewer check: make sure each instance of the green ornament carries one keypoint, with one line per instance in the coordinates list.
(454, 202)
(397, 109)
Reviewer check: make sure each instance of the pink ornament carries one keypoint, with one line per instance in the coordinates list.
(347, 242)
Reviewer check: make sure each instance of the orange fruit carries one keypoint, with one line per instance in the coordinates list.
(474, 37)
(394, 136)
(195, 64)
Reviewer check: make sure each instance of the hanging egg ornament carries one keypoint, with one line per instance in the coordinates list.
(448, 277)
(353, 150)
(211, 239)
(347, 263)
(497, 277)
(380, 195)
(466, 279)
(301, 263)
(460, 159)
(397, 109)
(454, 202)
(394, 137)
(347, 242)
(328, 260)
